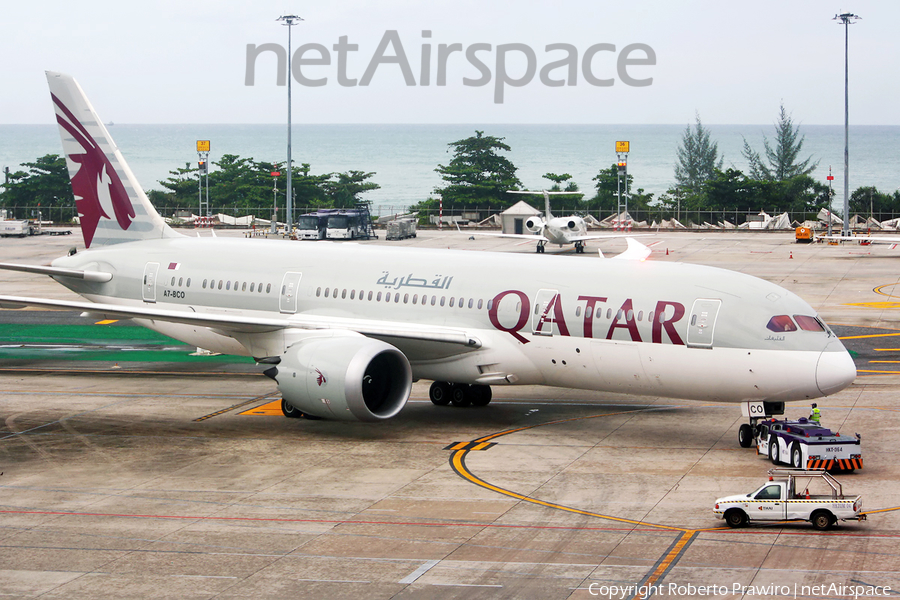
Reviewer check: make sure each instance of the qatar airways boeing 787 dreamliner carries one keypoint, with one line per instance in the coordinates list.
(345, 329)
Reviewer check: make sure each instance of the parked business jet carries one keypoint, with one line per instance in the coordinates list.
(558, 230)
(346, 328)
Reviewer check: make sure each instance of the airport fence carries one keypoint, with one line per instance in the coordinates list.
(467, 214)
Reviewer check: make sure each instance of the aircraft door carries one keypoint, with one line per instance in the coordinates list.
(148, 288)
(702, 323)
(290, 286)
(546, 306)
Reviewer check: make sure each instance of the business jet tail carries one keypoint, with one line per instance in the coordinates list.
(111, 204)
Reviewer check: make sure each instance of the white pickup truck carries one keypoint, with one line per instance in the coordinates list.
(786, 497)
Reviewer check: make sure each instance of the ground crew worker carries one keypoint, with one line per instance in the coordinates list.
(816, 415)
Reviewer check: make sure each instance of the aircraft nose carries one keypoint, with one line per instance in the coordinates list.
(835, 369)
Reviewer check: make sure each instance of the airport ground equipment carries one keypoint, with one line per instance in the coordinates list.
(400, 229)
(804, 235)
(806, 444)
(786, 497)
(16, 228)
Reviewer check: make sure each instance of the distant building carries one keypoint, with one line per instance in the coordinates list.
(512, 220)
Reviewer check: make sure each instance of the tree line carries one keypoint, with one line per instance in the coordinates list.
(479, 176)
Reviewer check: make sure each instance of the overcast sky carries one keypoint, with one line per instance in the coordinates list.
(185, 62)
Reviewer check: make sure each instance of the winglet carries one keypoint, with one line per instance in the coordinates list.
(635, 251)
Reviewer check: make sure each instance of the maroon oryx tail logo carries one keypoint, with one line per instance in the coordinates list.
(95, 172)
(320, 378)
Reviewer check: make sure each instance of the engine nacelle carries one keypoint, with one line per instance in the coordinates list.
(534, 224)
(344, 376)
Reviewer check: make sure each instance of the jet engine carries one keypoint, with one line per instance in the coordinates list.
(344, 376)
(534, 224)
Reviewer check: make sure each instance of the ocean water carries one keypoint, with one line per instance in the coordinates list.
(404, 157)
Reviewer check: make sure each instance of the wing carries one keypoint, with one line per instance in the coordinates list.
(875, 239)
(238, 323)
(522, 236)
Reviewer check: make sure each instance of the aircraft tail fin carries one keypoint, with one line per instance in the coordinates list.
(111, 204)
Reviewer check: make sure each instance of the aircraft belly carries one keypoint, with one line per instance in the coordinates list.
(202, 337)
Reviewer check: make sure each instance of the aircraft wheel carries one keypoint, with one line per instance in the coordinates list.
(439, 393)
(773, 452)
(745, 436)
(481, 395)
(796, 456)
(288, 410)
(459, 395)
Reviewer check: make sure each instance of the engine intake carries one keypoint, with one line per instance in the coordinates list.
(534, 224)
(344, 376)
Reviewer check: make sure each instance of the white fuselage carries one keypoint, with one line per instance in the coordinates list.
(661, 329)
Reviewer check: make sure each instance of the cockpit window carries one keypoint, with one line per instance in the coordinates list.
(808, 323)
(781, 324)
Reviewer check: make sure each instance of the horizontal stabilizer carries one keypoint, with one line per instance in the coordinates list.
(93, 276)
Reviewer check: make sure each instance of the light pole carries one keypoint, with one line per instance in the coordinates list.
(846, 19)
(289, 21)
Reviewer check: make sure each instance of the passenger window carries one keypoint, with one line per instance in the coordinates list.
(471, 303)
(442, 300)
(377, 298)
(452, 301)
(173, 282)
(781, 324)
(343, 294)
(808, 323)
(189, 282)
(268, 287)
(405, 298)
(640, 315)
(244, 287)
(490, 304)
(220, 285)
(650, 317)
(204, 284)
(415, 298)
(608, 313)
(180, 281)
(327, 291)
(578, 311)
(370, 296)
(397, 298)
(433, 300)
(479, 304)
(252, 287)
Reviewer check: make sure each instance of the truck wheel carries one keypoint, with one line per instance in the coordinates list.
(745, 436)
(773, 451)
(735, 517)
(822, 520)
(796, 456)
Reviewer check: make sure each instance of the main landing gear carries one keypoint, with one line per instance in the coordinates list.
(540, 247)
(442, 393)
(579, 247)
